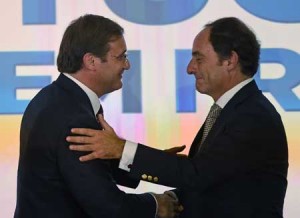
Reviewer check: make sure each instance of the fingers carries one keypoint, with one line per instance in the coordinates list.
(103, 144)
(81, 148)
(180, 148)
(168, 205)
(175, 150)
(88, 157)
(91, 156)
(84, 131)
(182, 155)
(78, 139)
(177, 209)
(87, 136)
(180, 208)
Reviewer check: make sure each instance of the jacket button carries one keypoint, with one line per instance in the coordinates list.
(155, 179)
(144, 176)
(149, 178)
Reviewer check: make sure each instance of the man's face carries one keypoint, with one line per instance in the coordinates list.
(210, 73)
(110, 72)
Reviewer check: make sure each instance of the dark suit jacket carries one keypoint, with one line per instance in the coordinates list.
(240, 170)
(52, 182)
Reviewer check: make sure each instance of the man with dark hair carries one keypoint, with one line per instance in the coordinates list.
(238, 161)
(51, 180)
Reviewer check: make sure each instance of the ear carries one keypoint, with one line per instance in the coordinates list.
(88, 61)
(232, 61)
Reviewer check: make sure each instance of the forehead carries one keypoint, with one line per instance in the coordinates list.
(117, 44)
(201, 43)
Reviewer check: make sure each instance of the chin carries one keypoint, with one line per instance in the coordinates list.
(118, 86)
(201, 89)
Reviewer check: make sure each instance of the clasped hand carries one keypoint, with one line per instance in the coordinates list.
(168, 205)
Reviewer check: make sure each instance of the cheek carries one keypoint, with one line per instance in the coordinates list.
(212, 76)
(219, 78)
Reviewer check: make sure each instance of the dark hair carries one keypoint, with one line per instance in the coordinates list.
(231, 34)
(87, 34)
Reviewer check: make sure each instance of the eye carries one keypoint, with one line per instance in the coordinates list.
(125, 56)
(122, 57)
(198, 57)
(199, 60)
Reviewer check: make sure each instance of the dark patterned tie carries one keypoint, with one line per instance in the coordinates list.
(213, 114)
(100, 111)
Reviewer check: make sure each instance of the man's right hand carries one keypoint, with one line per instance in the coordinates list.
(168, 206)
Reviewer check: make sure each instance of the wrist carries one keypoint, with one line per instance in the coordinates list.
(120, 149)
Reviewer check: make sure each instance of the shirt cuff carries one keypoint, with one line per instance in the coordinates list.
(155, 203)
(128, 155)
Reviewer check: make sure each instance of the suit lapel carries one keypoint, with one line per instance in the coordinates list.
(196, 142)
(226, 114)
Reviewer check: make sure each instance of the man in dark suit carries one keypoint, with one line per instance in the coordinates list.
(51, 180)
(237, 164)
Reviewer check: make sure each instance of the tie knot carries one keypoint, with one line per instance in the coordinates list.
(214, 110)
(213, 114)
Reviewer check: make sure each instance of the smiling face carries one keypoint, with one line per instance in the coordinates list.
(109, 71)
(210, 72)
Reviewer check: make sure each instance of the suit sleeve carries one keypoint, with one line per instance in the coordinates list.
(251, 142)
(122, 177)
(92, 184)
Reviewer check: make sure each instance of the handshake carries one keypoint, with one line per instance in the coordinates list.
(168, 205)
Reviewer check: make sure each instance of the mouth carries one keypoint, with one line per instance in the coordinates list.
(199, 78)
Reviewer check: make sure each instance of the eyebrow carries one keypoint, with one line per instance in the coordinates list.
(197, 54)
(122, 53)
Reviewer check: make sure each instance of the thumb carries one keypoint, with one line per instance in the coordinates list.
(103, 123)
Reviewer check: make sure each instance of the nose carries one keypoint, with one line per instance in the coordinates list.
(126, 64)
(191, 67)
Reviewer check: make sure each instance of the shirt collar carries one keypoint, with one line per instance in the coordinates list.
(91, 95)
(224, 99)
